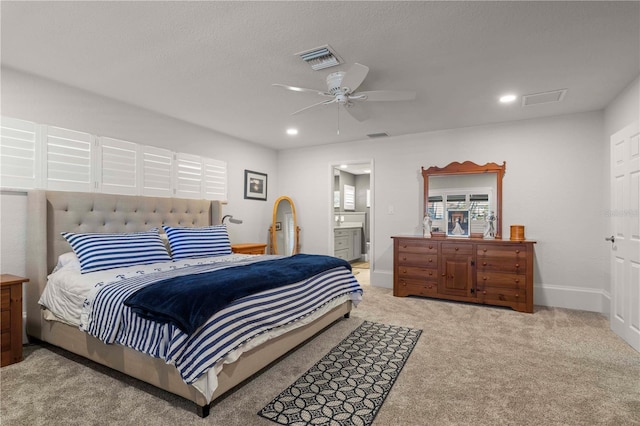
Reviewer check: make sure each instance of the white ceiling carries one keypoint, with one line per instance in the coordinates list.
(213, 63)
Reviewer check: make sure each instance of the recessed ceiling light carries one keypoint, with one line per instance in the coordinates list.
(292, 131)
(505, 99)
(343, 166)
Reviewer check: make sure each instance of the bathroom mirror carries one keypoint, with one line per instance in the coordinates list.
(284, 230)
(463, 187)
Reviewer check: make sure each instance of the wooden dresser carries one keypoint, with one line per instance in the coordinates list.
(492, 272)
(248, 248)
(11, 322)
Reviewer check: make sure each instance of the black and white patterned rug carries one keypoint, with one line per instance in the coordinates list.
(349, 384)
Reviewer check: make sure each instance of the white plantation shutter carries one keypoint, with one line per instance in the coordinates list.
(118, 165)
(157, 172)
(68, 160)
(214, 183)
(39, 156)
(188, 176)
(19, 154)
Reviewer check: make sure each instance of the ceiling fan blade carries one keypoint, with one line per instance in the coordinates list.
(302, 89)
(356, 112)
(384, 95)
(354, 77)
(314, 105)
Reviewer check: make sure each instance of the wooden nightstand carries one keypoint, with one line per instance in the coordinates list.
(11, 301)
(248, 248)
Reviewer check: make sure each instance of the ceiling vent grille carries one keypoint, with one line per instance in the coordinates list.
(321, 57)
(378, 135)
(543, 98)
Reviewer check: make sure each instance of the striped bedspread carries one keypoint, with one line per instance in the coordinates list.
(113, 322)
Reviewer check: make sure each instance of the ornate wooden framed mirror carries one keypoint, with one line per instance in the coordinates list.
(284, 230)
(465, 184)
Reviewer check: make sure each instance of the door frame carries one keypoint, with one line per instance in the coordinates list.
(336, 164)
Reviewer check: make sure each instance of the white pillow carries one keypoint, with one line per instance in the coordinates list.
(67, 260)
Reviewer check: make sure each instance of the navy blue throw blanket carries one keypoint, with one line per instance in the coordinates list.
(188, 301)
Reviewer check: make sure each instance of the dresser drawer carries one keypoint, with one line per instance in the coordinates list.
(491, 295)
(507, 251)
(457, 249)
(418, 259)
(511, 265)
(418, 246)
(493, 279)
(418, 272)
(417, 287)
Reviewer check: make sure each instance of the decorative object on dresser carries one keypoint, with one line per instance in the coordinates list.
(248, 248)
(11, 300)
(491, 272)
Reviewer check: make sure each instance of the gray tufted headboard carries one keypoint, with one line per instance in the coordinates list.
(53, 212)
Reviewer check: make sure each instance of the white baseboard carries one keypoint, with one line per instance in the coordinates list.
(584, 299)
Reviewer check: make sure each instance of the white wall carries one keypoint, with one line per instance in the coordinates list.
(46, 102)
(553, 185)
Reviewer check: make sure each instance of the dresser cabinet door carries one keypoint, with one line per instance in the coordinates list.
(456, 269)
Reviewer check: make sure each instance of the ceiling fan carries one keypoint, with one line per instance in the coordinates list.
(341, 89)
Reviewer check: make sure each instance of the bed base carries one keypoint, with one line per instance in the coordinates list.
(164, 376)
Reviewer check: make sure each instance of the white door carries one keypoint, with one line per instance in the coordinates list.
(625, 226)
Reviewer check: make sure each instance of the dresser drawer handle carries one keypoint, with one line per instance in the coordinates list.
(517, 295)
(484, 292)
(484, 250)
(457, 248)
(484, 263)
(517, 251)
(517, 280)
(484, 278)
(430, 247)
(404, 271)
(403, 283)
(430, 260)
(517, 265)
(404, 258)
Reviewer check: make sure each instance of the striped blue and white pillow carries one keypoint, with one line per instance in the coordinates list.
(198, 242)
(97, 252)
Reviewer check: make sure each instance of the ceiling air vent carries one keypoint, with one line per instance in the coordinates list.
(320, 57)
(378, 135)
(543, 98)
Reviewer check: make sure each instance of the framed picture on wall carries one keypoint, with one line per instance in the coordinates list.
(255, 185)
(457, 223)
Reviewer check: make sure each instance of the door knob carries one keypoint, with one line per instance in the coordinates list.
(611, 238)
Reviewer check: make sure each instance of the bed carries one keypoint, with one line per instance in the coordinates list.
(51, 213)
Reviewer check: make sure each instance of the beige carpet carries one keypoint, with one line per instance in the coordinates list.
(473, 365)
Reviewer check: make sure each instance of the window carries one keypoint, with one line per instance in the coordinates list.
(49, 157)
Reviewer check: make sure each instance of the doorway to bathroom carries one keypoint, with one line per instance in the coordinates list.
(352, 212)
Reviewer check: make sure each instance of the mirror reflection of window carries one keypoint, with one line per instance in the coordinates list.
(477, 203)
(349, 197)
